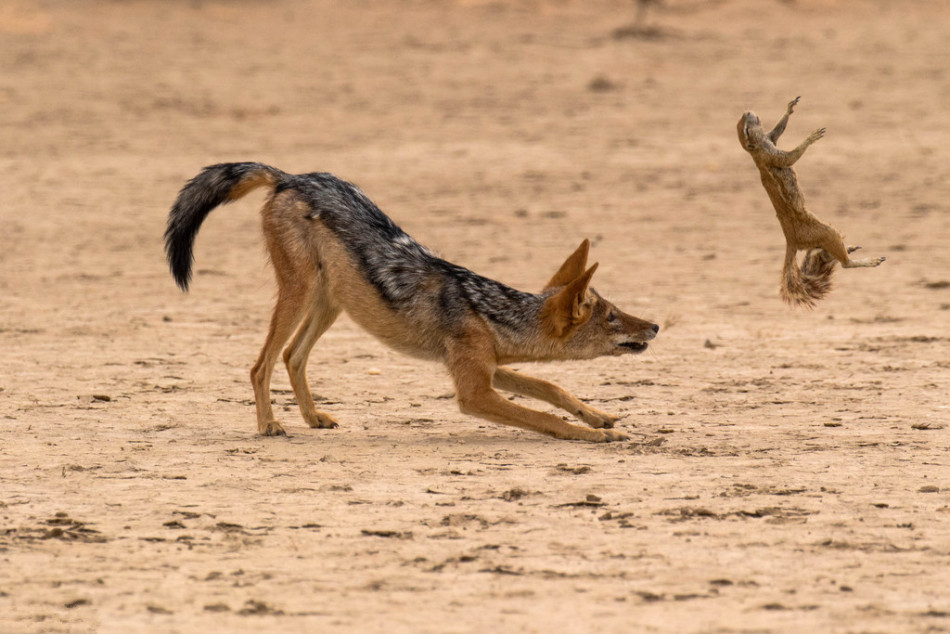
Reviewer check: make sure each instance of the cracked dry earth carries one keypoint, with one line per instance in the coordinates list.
(788, 471)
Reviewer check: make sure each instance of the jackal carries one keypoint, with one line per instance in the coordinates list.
(808, 283)
(334, 250)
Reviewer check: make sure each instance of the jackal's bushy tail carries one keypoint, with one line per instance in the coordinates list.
(215, 185)
(805, 285)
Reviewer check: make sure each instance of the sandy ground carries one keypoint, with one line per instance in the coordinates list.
(789, 471)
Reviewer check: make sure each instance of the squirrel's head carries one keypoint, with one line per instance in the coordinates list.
(750, 130)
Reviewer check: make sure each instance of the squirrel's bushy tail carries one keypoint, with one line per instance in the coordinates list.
(805, 285)
(215, 185)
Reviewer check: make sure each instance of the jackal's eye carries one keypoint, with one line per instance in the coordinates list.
(611, 317)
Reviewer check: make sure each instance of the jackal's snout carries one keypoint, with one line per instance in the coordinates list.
(635, 335)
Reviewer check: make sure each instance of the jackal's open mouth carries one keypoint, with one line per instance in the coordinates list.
(634, 346)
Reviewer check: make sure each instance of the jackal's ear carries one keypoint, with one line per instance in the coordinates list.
(571, 306)
(572, 268)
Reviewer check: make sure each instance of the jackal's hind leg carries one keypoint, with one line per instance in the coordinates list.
(292, 304)
(511, 381)
(321, 316)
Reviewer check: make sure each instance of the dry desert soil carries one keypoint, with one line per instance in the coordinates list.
(789, 471)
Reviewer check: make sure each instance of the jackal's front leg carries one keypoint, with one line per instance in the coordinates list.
(471, 364)
(511, 381)
(484, 402)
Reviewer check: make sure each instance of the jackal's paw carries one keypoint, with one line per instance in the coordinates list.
(319, 420)
(792, 104)
(598, 419)
(817, 134)
(614, 436)
(270, 428)
(853, 249)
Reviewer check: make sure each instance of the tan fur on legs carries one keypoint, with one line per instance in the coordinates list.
(471, 364)
(321, 316)
(296, 298)
(292, 303)
(511, 381)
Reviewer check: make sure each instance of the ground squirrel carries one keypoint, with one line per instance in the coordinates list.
(803, 231)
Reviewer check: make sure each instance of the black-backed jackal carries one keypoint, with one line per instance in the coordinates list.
(334, 250)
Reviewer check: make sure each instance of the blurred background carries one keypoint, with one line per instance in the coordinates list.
(490, 130)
